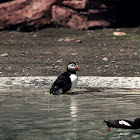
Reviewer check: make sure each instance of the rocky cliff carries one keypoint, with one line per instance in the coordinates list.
(76, 14)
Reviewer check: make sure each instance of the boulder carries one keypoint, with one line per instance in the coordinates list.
(70, 18)
(76, 14)
(25, 12)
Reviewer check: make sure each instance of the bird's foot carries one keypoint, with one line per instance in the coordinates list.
(109, 128)
(67, 93)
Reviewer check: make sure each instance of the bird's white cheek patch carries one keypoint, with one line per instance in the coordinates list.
(124, 123)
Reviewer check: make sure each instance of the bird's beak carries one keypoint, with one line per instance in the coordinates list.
(78, 68)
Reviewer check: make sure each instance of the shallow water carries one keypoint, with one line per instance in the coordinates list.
(36, 115)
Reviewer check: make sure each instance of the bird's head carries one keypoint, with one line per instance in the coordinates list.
(137, 122)
(73, 67)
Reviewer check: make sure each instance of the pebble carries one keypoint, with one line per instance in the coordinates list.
(61, 39)
(119, 33)
(69, 39)
(34, 35)
(4, 55)
(106, 66)
(59, 61)
(78, 41)
(105, 59)
(74, 54)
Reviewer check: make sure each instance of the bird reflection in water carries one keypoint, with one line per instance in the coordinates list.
(73, 109)
(74, 115)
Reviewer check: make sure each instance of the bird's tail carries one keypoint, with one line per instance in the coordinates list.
(52, 90)
(105, 121)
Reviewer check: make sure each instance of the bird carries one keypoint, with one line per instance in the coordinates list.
(66, 81)
(124, 124)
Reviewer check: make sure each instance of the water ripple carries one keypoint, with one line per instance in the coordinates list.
(38, 115)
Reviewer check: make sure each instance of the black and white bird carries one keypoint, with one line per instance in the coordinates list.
(66, 81)
(125, 124)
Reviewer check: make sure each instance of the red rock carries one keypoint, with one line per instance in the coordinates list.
(75, 4)
(26, 12)
(72, 19)
(76, 14)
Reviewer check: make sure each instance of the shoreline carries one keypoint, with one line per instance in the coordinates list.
(85, 82)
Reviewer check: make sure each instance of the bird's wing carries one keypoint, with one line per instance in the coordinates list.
(119, 123)
(63, 82)
(124, 123)
(113, 123)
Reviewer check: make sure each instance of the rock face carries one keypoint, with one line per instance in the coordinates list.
(76, 14)
(25, 12)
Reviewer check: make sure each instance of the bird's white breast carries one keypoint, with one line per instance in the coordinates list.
(74, 80)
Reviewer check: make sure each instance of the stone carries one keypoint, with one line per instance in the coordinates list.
(69, 39)
(105, 59)
(4, 55)
(70, 18)
(75, 4)
(78, 41)
(119, 33)
(26, 13)
(75, 14)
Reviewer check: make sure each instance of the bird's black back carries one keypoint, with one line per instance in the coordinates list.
(63, 81)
